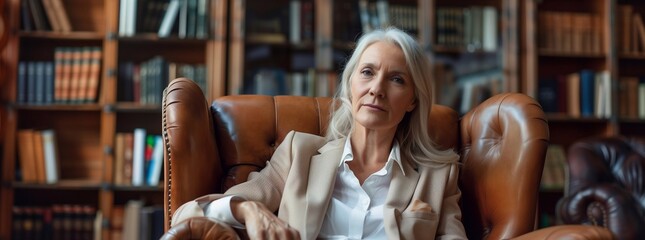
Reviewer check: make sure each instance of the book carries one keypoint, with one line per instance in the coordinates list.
(39, 154)
(573, 94)
(26, 155)
(49, 82)
(169, 19)
(61, 15)
(587, 92)
(119, 156)
(51, 15)
(138, 157)
(94, 74)
(25, 14)
(547, 94)
(131, 219)
(51, 157)
(22, 82)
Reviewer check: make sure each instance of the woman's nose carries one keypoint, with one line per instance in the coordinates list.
(376, 89)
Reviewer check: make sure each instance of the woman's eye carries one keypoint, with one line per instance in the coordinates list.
(366, 72)
(398, 80)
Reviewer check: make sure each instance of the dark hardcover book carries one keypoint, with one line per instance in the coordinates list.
(587, 92)
(202, 19)
(548, 94)
(37, 12)
(25, 16)
(192, 18)
(49, 82)
(22, 82)
(125, 83)
(157, 224)
(31, 82)
(40, 82)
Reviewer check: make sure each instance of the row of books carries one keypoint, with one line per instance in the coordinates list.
(144, 83)
(381, 14)
(579, 94)
(135, 220)
(554, 167)
(56, 222)
(570, 32)
(272, 81)
(301, 21)
(138, 159)
(38, 156)
(44, 15)
(630, 30)
(631, 97)
(473, 28)
(72, 78)
(181, 18)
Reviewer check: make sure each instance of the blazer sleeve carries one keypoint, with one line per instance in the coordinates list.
(266, 186)
(450, 225)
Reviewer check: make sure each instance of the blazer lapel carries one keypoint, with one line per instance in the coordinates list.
(401, 189)
(322, 176)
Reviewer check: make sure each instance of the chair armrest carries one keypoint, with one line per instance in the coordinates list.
(605, 205)
(191, 160)
(200, 228)
(570, 232)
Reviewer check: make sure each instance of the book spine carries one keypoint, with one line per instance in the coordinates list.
(138, 156)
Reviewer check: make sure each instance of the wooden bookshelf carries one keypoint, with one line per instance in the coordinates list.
(560, 43)
(85, 131)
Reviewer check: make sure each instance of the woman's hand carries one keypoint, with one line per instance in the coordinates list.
(261, 223)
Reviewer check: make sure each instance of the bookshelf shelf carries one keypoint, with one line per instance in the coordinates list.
(59, 107)
(126, 107)
(87, 134)
(71, 36)
(560, 117)
(63, 185)
(560, 54)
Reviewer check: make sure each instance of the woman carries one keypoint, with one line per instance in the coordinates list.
(376, 175)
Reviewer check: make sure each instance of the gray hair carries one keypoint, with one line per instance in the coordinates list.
(412, 131)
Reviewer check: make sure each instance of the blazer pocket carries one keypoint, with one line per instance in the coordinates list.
(430, 216)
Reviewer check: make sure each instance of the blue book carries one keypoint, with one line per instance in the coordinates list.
(22, 82)
(587, 92)
(548, 94)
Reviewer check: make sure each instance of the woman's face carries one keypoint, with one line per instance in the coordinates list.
(381, 87)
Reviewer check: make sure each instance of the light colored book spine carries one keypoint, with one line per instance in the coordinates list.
(169, 19)
(641, 100)
(294, 21)
(489, 41)
(51, 156)
(138, 156)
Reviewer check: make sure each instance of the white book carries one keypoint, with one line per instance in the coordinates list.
(132, 18)
(123, 17)
(51, 155)
(641, 100)
(138, 156)
(489, 34)
(169, 19)
(294, 21)
(154, 171)
(382, 8)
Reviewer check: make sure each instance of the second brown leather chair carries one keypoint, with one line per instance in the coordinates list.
(502, 143)
(606, 185)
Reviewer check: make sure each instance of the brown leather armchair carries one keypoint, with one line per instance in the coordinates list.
(502, 143)
(606, 185)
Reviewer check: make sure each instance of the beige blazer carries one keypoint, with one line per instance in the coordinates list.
(421, 204)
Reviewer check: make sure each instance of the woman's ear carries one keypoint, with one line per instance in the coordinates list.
(411, 106)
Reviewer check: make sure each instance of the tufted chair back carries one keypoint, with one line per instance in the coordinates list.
(606, 185)
(502, 143)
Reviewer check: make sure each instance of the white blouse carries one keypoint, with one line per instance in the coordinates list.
(354, 212)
